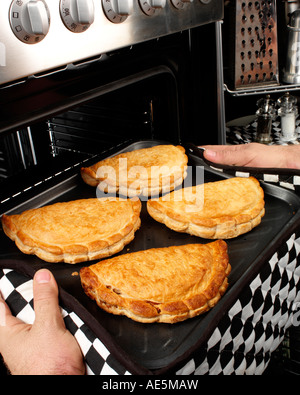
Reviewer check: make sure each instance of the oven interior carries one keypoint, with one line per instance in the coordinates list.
(164, 89)
(34, 153)
(84, 131)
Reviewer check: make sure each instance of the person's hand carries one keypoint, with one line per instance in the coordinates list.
(255, 155)
(46, 347)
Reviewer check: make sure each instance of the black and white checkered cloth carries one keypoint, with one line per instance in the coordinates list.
(284, 179)
(236, 135)
(17, 291)
(247, 134)
(256, 324)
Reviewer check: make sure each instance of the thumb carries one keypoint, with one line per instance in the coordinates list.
(45, 299)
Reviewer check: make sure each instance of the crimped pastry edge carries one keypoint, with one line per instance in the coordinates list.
(78, 253)
(151, 187)
(218, 231)
(222, 228)
(151, 312)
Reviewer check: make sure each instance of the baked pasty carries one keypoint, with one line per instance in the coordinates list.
(216, 210)
(161, 284)
(76, 231)
(144, 172)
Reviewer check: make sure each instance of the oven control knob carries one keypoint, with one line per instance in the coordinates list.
(77, 15)
(30, 20)
(150, 6)
(180, 4)
(117, 11)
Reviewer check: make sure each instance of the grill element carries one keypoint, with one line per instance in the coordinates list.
(256, 52)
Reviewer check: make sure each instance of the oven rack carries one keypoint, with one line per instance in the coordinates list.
(17, 152)
(69, 140)
(3, 169)
(90, 128)
(40, 183)
(37, 190)
(262, 90)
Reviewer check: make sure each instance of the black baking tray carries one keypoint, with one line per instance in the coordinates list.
(158, 347)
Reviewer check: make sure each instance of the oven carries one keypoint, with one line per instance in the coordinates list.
(99, 74)
(82, 80)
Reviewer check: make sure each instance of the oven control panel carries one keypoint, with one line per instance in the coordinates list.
(39, 36)
(78, 16)
(30, 22)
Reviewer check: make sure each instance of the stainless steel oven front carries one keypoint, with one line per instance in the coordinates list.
(37, 36)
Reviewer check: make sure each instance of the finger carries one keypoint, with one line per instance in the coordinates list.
(45, 298)
(227, 155)
(8, 323)
(2, 313)
(6, 317)
(216, 147)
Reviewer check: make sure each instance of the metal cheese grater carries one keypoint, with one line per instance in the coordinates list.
(256, 48)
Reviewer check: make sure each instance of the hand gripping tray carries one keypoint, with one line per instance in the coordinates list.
(158, 347)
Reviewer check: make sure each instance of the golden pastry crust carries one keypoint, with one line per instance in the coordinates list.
(217, 210)
(76, 231)
(144, 172)
(165, 285)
